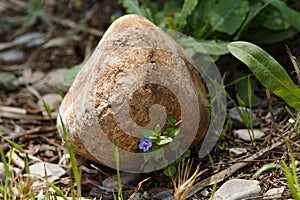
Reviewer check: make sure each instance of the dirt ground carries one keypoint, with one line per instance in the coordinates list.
(61, 37)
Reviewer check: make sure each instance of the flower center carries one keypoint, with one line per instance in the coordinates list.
(145, 143)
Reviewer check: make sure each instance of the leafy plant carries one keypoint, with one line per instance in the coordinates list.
(159, 138)
(268, 71)
(215, 21)
(290, 172)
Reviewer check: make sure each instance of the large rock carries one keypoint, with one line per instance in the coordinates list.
(135, 77)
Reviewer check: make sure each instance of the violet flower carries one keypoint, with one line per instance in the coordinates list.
(145, 144)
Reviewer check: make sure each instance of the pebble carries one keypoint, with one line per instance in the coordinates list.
(51, 169)
(12, 56)
(111, 182)
(164, 195)
(237, 189)
(2, 172)
(53, 100)
(244, 134)
(237, 121)
(31, 39)
(274, 193)
(237, 151)
(54, 78)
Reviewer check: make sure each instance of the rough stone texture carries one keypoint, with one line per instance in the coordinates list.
(237, 189)
(136, 76)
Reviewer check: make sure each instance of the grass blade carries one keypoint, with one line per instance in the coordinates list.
(72, 157)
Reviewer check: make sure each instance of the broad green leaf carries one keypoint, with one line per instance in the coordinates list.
(228, 15)
(290, 15)
(187, 9)
(210, 47)
(268, 71)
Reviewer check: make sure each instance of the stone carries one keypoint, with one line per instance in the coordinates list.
(244, 134)
(274, 193)
(52, 79)
(2, 172)
(111, 182)
(237, 121)
(53, 100)
(51, 169)
(136, 76)
(12, 56)
(237, 189)
(237, 151)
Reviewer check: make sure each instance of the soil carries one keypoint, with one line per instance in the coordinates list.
(74, 29)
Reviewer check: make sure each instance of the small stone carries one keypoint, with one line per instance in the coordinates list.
(54, 78)
(237, 151)
(2, 172)
(204, 193)
(274, 193)
(237, 121)
(111, 182)
(53, 100)
(30, 39)
(12, 56)
(237, 189)
(51, 169)
(164, 195)
(246, 135)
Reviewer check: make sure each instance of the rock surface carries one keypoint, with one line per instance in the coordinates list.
(246, 135)
(237, 189)
(274, 193)
(50, 169)
(237, 121)
(136, 76)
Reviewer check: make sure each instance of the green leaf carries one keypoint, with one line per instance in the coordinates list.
(228, 15)
(147, 133)
(8, 80)
(164, 140)
(268, 71)
(273, 19)
(210, 47)
(187, 9)
(133, 7)
(157, 129)
(171, 120)
(69, 79)
(36, 9)
(290, 15)
(170, 170)
(254, 9)
(172, 132)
